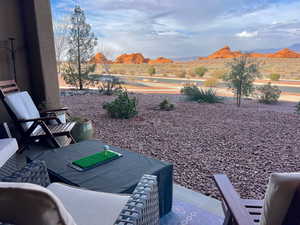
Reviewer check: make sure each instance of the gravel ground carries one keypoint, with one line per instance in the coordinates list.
(246, 143)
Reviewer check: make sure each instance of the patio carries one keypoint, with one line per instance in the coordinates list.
(198, 140)
(189, 207)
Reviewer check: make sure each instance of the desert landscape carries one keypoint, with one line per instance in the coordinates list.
(170, 76)
(284, 62)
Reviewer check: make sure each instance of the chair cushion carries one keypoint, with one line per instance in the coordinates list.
(23, 107)
(8, 147)
(90, 207)
(279, 195)
(30, 204)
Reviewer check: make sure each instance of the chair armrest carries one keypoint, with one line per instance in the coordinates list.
(39, 119)
(55, 110)
(143, 205)
(34, 172)
(232, 200)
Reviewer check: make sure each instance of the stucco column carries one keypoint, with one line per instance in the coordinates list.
(41, 58)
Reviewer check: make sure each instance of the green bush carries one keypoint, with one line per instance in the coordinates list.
(166, 105)
(268, 94)
(151, 70)
(274, 77)
(211, 82)
(122, 107)
(200, 71)
(193, 93)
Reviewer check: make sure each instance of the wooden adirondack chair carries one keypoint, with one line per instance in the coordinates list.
(240, 211)
(33, 124)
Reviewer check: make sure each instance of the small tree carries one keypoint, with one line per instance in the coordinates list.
(200, 71)
(243, 72)
(82, 42)
(151, 70)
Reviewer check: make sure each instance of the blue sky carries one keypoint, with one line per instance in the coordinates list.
(180, 28)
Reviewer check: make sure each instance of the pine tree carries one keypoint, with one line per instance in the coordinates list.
(82, 42)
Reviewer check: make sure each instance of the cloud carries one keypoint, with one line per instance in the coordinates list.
(246, 34)
(174, 28)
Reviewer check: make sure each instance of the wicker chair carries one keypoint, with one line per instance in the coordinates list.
(141, 208)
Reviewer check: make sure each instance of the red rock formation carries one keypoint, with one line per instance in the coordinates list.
(225, 52)
(160, 60)
(99, 58)
(258, 55)
(134, 58)
(284, 53)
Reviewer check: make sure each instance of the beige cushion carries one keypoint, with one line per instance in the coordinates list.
(30, 204)
(279, 195)
(90, 207)
(23, 107)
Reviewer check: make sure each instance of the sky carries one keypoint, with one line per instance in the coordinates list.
(182, 28)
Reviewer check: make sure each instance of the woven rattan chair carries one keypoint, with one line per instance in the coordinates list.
(140, 208)
(33, 124)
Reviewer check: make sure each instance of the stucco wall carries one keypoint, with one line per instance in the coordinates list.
(30, 23)
(11, 26)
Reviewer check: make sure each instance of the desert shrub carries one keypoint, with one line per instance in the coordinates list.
(151, 70)
(200, 71)
(122, 107)
(193, 93)
(274, 77)
(182, 74)
(219, 74)
(268, 94)
(211, 82)
(166, 105)
(109, 85)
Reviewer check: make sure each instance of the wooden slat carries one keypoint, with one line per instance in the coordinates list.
(7, 83)
(253, 203)
(55, 129)
(233, 200)
(255, 218)
(255, 211)
(10, 89)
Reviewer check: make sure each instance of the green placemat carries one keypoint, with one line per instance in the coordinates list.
(96, 159)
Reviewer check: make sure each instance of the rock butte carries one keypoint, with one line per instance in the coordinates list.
(223, 53)
(226, 52)
(160, 60)
(134, 58)
(99, 58)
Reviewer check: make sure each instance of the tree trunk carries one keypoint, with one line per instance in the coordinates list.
(239, 94)
(79, 57)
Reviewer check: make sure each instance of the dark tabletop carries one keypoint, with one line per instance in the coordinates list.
(118, 176)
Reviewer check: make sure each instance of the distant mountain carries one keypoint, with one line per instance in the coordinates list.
(294, 47)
